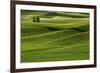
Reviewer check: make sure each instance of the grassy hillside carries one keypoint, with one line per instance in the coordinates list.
(58, 36)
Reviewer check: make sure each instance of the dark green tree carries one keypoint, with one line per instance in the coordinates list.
(38, 19)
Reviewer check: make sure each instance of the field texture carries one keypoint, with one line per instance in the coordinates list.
(54, 36)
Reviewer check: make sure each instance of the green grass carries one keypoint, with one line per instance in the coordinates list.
(59, 36)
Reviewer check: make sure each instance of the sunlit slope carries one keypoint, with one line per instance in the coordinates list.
(44, 38)
(48, 25)
(75, 46)
(58, 36)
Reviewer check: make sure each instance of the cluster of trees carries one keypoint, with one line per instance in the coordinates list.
(36, 19)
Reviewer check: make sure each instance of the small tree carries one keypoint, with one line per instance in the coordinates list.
(36, 19)
(33, 18)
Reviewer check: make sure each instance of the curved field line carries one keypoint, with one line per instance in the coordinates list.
(57, 41)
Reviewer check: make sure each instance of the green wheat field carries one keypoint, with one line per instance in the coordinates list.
(54, 36)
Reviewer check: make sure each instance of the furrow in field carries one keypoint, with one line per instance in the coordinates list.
(52, 34)
(63, 25)
(44, 38)
(57, 42)
(80, 51)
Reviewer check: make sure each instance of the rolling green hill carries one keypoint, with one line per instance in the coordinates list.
(59, 36)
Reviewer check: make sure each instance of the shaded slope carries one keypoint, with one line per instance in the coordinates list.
(72, 15)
